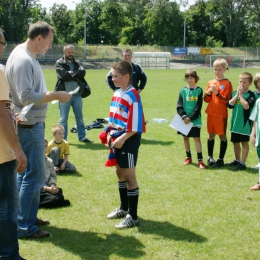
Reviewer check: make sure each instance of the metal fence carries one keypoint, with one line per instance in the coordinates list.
(113, 53)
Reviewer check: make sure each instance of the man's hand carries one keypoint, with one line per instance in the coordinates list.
(21, 160)
(63, 96)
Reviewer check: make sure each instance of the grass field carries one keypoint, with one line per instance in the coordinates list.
(184, 212)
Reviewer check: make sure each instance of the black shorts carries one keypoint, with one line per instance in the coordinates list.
(194, 132)
(238, 138)
(126, 156)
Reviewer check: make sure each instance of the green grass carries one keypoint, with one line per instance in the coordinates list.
(184, 212)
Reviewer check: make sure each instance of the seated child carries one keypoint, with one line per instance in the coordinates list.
(58, 151)
(51, 195)
(189, 108)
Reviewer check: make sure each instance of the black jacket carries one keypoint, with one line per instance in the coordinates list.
(62, 69)
(138, 76)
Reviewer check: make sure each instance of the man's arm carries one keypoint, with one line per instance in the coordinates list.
(68, 75)
(62, 96)
(7, 132)
(109, 81)
(143, 79)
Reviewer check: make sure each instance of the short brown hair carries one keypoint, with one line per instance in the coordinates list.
(39, 28)
(126, 50)
(57, 128)
(256, 79)
(124, 67)
(247, 75)
(193, 74)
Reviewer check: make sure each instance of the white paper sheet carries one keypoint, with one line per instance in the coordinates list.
(178, 124)
(24, 111)
(71, 92)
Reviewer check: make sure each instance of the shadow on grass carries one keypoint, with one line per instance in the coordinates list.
(90, 146)
(170, 231)
(155, 142)
(76, 174)
(247, 170)
(90, 245)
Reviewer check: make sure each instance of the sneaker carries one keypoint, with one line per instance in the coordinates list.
(234, 163)
(256, 167)
(219, 163)
(117, 213)
(39, 234)
(211, 161)
(201, 165)
(128, 222)
(187, 161)
(240, 167)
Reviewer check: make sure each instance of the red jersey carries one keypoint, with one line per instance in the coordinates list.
(217, 104)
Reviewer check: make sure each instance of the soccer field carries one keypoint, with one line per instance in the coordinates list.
(184, 212)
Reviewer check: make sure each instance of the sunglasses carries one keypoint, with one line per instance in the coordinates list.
(3, 43)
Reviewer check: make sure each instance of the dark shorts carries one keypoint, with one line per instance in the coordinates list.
(126, 156)
(194, 132)
(238, 138)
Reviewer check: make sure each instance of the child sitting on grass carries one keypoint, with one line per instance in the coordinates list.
(189, 108)
(58, 151)
(51, 196)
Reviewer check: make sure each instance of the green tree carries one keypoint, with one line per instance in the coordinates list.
(15, 17)
(112, 20)
(164, 24)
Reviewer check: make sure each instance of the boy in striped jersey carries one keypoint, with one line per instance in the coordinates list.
(126, 116)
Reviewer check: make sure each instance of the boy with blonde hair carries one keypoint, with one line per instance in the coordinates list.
(217, 94)
(58, 151)
(242, 103)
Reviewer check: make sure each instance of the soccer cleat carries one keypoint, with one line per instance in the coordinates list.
(187, 161)
(211, 161)
(127, 222)
(201, 165)
(234, 163)
(117, 213)
(219, 163)
(240, 167)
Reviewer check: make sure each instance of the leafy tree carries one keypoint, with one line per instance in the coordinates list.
(112, 20)
(164, 24)
(15, 17)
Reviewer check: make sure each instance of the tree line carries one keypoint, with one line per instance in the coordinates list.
(209, 23)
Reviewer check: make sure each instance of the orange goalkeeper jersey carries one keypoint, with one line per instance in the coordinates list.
(217, 104)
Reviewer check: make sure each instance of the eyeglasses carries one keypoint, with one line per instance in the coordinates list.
(3, 43)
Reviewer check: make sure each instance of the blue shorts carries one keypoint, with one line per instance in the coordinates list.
(127, 155)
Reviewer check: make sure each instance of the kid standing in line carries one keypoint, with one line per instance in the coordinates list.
(242, 102)
(189, 108)
(255, 137)
(126, 117)
(218, 93)
(58, 151)
(257, 96)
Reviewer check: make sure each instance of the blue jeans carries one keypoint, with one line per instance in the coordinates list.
(8, 211)
(77, 105)
(32, 179)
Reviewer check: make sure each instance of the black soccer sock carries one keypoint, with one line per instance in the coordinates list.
(211, 144)
(133, 202)
(223, 149)
(122, 187)
(188, 154)
(200, 157)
